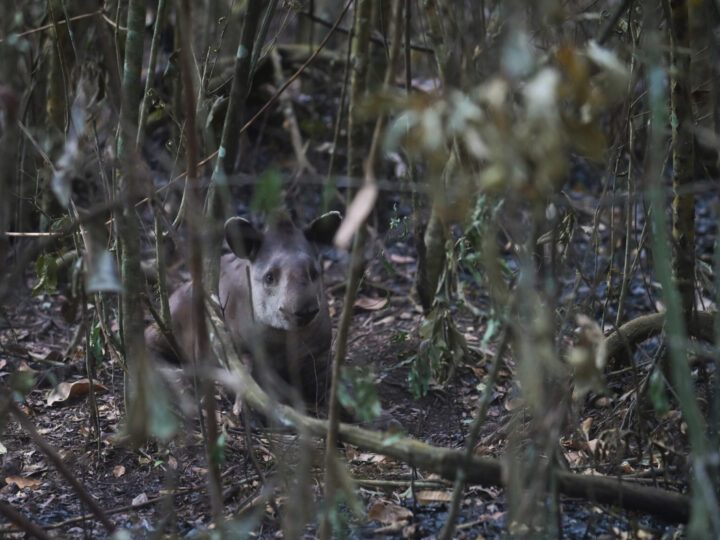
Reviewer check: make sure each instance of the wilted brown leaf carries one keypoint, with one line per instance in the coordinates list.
(22, 482)
(594, 445)
(603, 402)
(64, 390)
(588, 358)
(433, 496)
(496, 516)
(370, 304)
(140, 499)
(369, 457)
(388, 513)
(513, 403)
(24, 367)
(574, 458)
(358, 211)
(401, 259)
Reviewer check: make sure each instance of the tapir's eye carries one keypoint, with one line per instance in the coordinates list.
(313, 273)
(269, 278)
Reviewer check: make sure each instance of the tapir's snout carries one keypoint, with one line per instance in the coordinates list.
(300, 292)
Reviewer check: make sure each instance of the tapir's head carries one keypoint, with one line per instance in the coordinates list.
(285, 275)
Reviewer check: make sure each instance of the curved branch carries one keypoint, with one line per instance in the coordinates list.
(620, 341)
(445, 462)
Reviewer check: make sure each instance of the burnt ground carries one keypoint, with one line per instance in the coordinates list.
(132, 486)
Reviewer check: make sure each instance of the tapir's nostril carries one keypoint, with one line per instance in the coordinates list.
(306, 314)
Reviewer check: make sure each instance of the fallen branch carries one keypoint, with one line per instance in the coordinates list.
(621, 341)
(442, 461)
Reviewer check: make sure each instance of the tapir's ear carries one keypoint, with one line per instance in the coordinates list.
(244, 239)
(321, 230)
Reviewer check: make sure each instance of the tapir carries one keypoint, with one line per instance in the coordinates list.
(273, 302)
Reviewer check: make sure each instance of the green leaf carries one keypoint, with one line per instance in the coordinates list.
(46, 270)
(218, 451)
(358, 393)
(268, 194)
(492, 327)
(656, 391)
(421, 370)
(22, 382)
(96, 343)
(399, 336)
(392, 439)
(386, 264)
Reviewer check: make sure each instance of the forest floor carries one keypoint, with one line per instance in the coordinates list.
(162, 488)
(132, 486)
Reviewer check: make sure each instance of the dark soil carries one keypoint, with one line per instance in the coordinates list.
(35, 333)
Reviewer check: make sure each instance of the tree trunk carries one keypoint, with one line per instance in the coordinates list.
(431, 254)
(201, 356)
(682, 157)
(357, 125)
(218, 205)
(146, 408)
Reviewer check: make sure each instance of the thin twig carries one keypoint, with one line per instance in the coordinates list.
(51, 25)
(128, 507)
(485, 399)
(196, 266)
(379, 41)
(30, 528)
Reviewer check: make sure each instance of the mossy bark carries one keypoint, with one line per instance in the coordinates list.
(138, 386)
